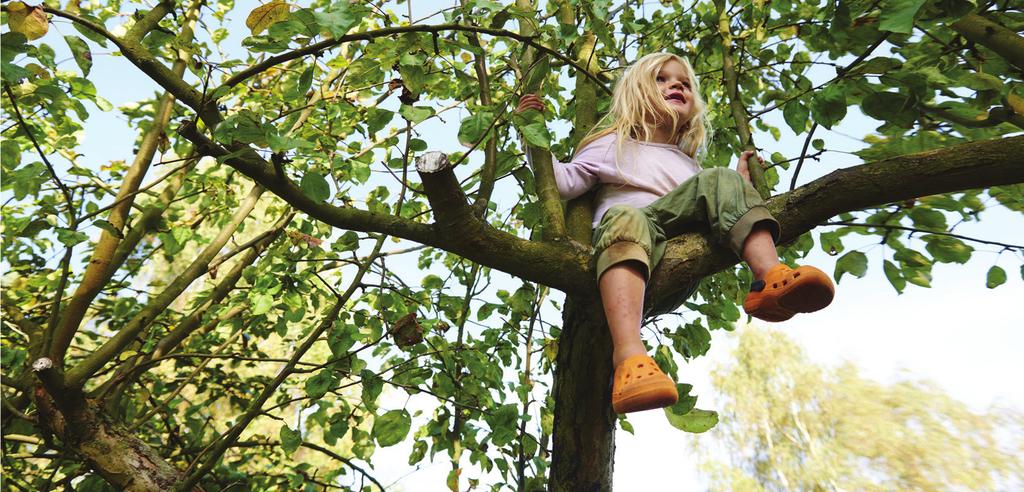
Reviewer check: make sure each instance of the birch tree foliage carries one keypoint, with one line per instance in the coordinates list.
(795, 424)
(230, 335)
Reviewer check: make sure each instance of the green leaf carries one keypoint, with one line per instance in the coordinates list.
(696, 421)
(854, 262)
(981, 81)
(431, 282)
(918, 276)
(996, 277)
(694, 340)
(107, 226)
(537, 135)
(928, 218)
(829, 105)
(538, 72)
(68, 237)
(912, 258)
(372, 386)
(892, 272)
(281, 143)
(80, 50)
(419, 451)
(290, 439)
(796, 116)
(33, 228)
(415, 114)
(947, 249)
(888, 106)
(243, 126)
(378, 119)
(315, 186)
(261, 303)
(686, 401)
(898, 15)
(878, 65)
(318, 385)
(625, 425)
(302, 85)
(392, 427)
(89, 33)
(472, 128)
(13, 73)
(339, 19)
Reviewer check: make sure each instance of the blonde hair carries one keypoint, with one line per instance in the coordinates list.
(638, 107)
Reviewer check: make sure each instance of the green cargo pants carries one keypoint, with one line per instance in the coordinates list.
(717, 198)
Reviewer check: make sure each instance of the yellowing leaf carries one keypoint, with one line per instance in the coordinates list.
(30, 21)
(1016, 103)
(266, 15)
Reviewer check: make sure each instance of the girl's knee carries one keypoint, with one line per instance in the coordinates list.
(623, 223)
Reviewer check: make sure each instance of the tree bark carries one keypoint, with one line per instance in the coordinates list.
(584, 435)
(122, 459)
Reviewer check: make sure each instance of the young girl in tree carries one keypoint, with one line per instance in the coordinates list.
(641, 155)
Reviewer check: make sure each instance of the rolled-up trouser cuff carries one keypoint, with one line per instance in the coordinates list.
(739, 231)
(621, 251)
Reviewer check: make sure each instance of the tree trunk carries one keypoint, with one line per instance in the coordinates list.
(123, 460)
(584, 433)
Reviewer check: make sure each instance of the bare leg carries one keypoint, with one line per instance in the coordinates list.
(622, 293)
(759, 252)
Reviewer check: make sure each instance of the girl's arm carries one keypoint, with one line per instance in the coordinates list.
(574, 178)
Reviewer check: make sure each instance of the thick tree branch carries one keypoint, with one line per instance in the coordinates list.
(960, 167)
(145, 61)
(487, 173)
(256, 407)
(554, 264)
(78, 375)
(993, 36)
(552, 215)
(151, 19)
(579, 212)
(739, 112)
(101, 266)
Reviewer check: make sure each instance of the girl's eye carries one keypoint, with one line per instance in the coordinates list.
(659, 79)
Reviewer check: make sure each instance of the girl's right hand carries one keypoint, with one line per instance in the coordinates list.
(743, 167)
(530, 101)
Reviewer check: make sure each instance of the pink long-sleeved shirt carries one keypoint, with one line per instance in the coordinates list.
(648, 172)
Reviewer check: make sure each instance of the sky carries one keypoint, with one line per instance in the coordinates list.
(959, 334)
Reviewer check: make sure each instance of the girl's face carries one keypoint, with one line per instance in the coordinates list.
(675, 87)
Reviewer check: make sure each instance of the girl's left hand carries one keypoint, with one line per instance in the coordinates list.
(742, 166)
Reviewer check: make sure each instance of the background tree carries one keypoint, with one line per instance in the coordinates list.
(790, 424)
(162, 310)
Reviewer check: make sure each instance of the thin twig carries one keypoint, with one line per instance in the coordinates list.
(803, 154)
(913, 229)
(49, 166)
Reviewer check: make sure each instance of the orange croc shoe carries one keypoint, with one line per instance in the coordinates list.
(640, 385)
(785, 291)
